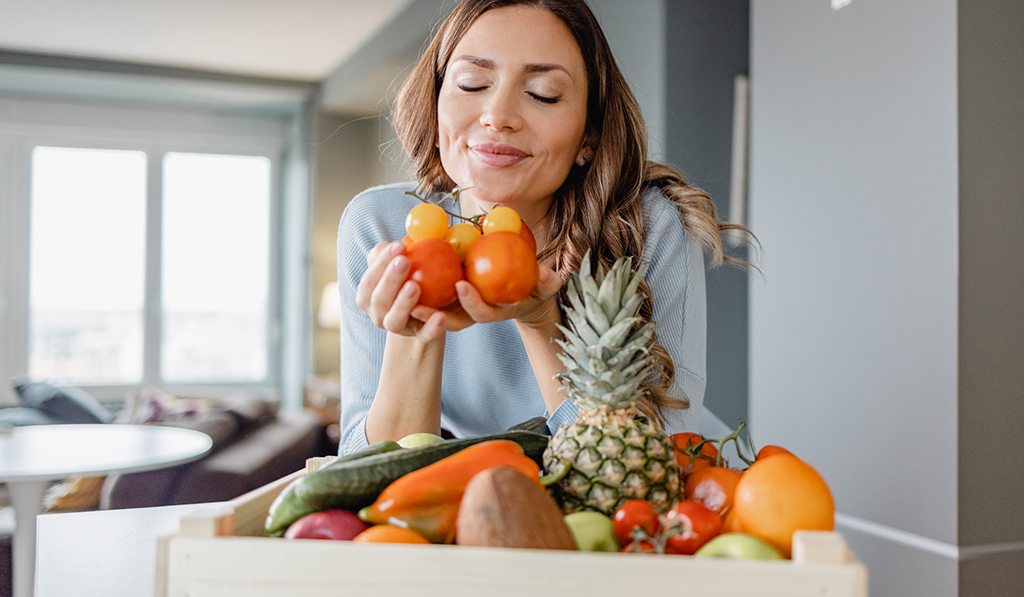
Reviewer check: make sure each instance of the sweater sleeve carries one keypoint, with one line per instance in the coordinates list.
(373, 216)
(676, 277)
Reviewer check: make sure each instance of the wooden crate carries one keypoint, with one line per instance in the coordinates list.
(221, 554)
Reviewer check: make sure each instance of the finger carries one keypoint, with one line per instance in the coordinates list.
(397, 317)
(473, 304)
(433, 328)
(386, 291)
(548, 284)
(377, 260)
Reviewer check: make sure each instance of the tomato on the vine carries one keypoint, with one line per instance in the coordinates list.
(713, 487)
(682, 441)
(770, 450)
(436, 267)
(426, 220)
(502, 218)
(502, 268)
(696, 526)
(461, 236)
(631, 515)
(527, 235)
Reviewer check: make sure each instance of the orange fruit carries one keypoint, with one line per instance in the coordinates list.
(731, 524)
(782, 494)
(770, 450)
(713, 487)
(388, 533)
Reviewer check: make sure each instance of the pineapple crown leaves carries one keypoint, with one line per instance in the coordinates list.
(606, 360)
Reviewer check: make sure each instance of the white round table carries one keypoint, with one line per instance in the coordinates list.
(32, 457)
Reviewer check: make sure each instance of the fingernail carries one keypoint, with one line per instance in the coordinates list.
(400, 264)
(462, 290)
(396, 248)
(408, 289)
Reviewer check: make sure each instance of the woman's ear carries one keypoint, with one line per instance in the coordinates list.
(584, 155)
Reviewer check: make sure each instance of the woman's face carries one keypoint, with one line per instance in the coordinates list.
(512, 110)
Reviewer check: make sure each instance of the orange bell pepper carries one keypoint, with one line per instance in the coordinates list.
(427, 500)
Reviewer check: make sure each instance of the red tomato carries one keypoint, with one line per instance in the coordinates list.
(681, 441)
(527, 235)
(697, 525)
(502, 268)
(639, 547)
(436, 267)
(632, 514)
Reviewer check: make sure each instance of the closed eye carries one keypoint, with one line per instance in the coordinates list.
(543, 98)
(470, 88)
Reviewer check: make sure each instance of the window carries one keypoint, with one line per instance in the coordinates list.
(142, 247)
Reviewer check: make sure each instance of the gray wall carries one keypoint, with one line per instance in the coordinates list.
(886, 338)
(991, 296)
(706, 47)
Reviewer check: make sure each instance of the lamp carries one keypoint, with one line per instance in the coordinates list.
(329, 315)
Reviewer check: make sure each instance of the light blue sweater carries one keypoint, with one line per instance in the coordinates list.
(487, 384)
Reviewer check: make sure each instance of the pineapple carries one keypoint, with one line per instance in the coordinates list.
(613, 453)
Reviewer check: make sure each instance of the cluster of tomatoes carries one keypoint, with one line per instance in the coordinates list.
(777, 494)
(496, 253)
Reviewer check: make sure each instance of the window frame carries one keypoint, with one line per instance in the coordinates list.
(28, 123)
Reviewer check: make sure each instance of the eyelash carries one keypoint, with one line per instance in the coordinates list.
(540, 98)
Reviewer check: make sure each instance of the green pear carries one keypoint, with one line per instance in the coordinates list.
(739, 546)
(592, 531)
(416, 440)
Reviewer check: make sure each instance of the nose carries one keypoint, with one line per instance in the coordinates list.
(501, 111)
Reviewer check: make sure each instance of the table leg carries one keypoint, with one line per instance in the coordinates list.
(27, 499)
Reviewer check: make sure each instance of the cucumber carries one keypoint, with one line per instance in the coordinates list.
(536, 424)
(355, 485)
(289, 506)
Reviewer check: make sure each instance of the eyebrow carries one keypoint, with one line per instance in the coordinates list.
(530, 67)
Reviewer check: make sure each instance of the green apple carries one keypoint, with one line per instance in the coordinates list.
(416, 440)
(592, 531)
(739, 546)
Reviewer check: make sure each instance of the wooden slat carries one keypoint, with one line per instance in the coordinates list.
(276, 568)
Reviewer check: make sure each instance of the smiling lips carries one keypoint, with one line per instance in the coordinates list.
(494, 154)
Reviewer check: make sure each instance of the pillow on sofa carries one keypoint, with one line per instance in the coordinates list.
(66, 404)
(20, 416)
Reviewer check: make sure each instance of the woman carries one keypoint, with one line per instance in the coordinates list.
(518, 103)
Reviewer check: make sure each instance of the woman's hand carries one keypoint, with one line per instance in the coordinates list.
(391, 302)
(385, 295)
(540, 309)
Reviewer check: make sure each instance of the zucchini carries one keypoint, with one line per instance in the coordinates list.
(289, 506)
(355, 485)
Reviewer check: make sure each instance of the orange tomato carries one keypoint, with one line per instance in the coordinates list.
(461, 236)
(426, 220)
(436, 267)
(502, 268)
(500, 218)
(714, 487)
(690, 440)
(387, 533)
(782, 494)
(770, 450)
(527, 235)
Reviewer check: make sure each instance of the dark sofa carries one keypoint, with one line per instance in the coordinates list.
(253, 444)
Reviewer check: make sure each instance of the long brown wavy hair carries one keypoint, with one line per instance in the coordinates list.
(599, 206)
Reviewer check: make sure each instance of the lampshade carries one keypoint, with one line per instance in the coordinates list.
(329, 315)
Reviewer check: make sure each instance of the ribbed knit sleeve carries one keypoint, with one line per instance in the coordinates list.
(676, 278)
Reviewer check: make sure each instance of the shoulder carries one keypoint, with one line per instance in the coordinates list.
(376, 214)
(666, 236)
